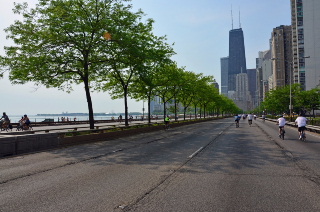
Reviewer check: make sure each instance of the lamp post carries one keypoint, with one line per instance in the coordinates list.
(290, 83)
(290, 95)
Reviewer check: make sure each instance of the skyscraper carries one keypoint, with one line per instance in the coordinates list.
(252, 84)
(281, 45)
(305, 18)
(224, 75)
(237, 57)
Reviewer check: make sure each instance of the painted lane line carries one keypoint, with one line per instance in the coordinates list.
(195, 153)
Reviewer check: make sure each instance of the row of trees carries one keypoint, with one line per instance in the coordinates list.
(277, 101)
(104, 46)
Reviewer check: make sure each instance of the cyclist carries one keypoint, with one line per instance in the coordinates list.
(302, 122)
(237, 119)
(166, 122)
(281, 122)
(26, 122)
(250, 116)
(4, 121)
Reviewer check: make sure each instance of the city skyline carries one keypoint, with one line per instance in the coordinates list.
(199, 30)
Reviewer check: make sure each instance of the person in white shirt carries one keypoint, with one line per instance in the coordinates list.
(250, 117)
(281, 122)
(301, 121)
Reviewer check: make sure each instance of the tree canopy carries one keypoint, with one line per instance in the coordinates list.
(102, 45)
(60, 43)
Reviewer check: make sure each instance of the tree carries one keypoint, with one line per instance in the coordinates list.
(60, 43)
(144, 86)
(278, 100)
(308, 100)
(139, 51)
(188, 90)
(167, 82)
(206, 92)
(200, 92)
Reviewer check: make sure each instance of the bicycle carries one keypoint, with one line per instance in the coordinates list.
(237, 124)
(166, 126)
(5, 126)
(250, 122)
(303, 136)
(282, 132)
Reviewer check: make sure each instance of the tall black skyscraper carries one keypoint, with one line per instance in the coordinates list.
(237, 57)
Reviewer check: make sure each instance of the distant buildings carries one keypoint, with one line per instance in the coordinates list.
(281, 54)
(263, 75)
(235, 82)
(237, 57)
(252, 87)
(224, 62)
(293, 57)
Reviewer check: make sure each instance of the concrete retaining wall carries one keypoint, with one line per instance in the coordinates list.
(28, 143)
(16, 145)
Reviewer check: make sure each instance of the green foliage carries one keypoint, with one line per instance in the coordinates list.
(308, 100)
(278, 100)
(106, 47)
(59, 43)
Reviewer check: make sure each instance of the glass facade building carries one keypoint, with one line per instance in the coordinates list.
(237, 57)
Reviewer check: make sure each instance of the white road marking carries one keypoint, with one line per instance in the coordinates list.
(195, 153)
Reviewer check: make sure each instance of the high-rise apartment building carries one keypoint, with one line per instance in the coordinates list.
(264, 74)
(252, 84)
(243, 98)
(311, 25)
(281, 53)
(237, 57)
(224, 75)
(305, 20)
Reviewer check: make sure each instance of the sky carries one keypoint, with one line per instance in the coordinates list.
(198, 29)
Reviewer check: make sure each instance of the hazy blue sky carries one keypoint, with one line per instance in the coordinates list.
(199, 29)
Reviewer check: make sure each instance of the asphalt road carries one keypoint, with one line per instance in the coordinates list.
(209, 166)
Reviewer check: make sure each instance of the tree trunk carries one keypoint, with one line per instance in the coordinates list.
(164, 111)
(175, 110)
(126, 107)
(89, 101)
(149, 115)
